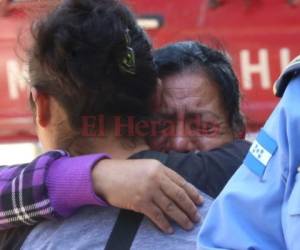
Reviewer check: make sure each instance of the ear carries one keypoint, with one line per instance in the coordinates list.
(241, 134)
(42, 107)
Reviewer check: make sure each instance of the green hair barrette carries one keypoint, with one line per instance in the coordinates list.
(127, 62)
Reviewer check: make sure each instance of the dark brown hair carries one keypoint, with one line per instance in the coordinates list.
(178, 57)
(91, 56)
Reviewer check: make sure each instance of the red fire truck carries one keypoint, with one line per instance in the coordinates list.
(261, 36)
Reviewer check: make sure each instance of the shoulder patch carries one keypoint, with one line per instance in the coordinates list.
(260, 153)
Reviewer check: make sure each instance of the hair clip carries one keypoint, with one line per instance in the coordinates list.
(127, 63)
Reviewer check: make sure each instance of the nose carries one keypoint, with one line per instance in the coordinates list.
(179, 144)
(180, 141)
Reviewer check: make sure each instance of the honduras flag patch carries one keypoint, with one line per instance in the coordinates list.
(260, 153)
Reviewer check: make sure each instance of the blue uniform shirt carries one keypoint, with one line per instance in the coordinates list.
(260, 206)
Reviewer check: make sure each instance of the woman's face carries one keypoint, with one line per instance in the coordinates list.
(196, 119)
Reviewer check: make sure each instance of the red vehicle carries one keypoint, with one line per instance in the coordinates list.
(261, 36)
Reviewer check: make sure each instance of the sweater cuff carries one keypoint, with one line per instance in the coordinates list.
(69, 183)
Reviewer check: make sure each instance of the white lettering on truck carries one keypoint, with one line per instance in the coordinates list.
(262, 68)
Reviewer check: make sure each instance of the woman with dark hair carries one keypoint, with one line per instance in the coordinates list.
(201, 91)
(81, 68)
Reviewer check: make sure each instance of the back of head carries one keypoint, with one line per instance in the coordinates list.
(91, 56)
(194, 56)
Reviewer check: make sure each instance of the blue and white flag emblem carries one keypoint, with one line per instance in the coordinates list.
(260, 153)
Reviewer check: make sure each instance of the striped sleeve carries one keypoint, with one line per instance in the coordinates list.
(23, 193)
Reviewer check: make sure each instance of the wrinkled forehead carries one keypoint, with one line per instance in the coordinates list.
(189, 92)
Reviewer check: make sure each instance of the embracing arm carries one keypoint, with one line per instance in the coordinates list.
(56, 185)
